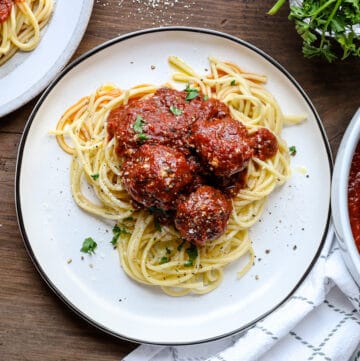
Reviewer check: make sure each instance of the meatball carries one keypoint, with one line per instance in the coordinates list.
(203, 215)
(165, 118)
(222, 144)
(155, 176)
(213, 108)
(264, 144)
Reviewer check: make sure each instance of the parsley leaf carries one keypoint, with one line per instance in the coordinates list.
(95, 176)
(233, 82)
(142, 137)
(139, 123)
(128, 219)
(157, 225)
(180, 246)
(175, 111)
(191, 93)
(118, 231)
(192, 252)
(159, 211)
(163, 260)
(138, 128)
(88, 246)
(292, 150)
(206, 97)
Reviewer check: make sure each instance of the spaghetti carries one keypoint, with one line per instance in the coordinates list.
(20, 25)
(155, 254)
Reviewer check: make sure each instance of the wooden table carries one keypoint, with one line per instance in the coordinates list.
(34, 323)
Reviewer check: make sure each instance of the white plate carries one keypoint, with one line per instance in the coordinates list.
(26, 74)
(293, 226)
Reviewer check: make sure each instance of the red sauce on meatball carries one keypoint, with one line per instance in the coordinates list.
(203, 215)
(264, 144)
(222, 144)
(185, 158)
(156, 175)
(354, 196)
(159, 123)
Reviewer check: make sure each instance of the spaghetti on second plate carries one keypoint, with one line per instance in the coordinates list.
(20, 25)
(160, 241)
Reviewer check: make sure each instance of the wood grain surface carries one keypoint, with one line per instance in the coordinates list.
(34, 323)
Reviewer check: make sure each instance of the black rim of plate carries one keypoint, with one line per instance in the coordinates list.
(42, 99)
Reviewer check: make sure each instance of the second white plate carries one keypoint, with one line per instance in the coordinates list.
(26, 74)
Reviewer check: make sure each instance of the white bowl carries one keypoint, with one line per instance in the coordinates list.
(339, 197)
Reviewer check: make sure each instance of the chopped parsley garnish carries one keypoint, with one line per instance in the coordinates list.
(192, 252)
(138, 128)
(88, 246)
(157, 210)
(175, 111)
(205, 98)
(142, 137)
(118, 231)
(163, 260)
(191, 93)
(233, 82)
(139, 123)
(128, 219)
(95, 176)
(292, 150)
(180, 246)
(157, 225)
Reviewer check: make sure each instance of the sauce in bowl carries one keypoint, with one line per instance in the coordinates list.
(354, 196)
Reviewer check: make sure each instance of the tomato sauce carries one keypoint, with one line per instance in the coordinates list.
(354, 196)
(5, 9)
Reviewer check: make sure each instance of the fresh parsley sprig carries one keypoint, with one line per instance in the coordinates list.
(176, 111)
(292, 150)
(88, 246)
(192, 253)
(118, 231)
(163, 260)
(191, 93)
(326, 25)
(138, 128)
